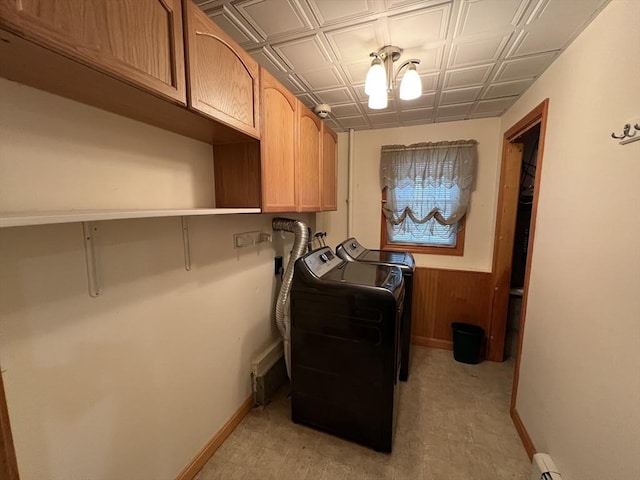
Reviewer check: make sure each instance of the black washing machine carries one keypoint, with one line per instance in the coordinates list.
(345, 347)
(351, 251)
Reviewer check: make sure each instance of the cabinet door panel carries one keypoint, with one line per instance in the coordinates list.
(308, 166)
(223, 79)
(138, 41)
(329, 169)
(279, 111)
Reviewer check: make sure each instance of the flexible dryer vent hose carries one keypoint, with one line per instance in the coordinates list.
(282, 303)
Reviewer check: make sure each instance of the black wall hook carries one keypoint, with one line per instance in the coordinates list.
(627, 133)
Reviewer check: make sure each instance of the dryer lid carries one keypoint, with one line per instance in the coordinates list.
(389, 257)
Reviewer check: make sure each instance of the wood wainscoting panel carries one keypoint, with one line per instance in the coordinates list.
(441, 297)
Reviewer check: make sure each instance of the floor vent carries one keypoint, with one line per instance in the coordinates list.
(543, 468)
(268, 373)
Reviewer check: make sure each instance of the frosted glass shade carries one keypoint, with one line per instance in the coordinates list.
(411, 85)
(376, 81)
(378, 100)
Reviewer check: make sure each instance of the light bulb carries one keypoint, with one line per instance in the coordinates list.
(378, 100)
(411, 85)
(376, 80)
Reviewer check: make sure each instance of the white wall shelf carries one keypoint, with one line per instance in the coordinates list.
(22, 219)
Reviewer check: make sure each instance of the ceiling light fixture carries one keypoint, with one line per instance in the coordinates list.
(381, 79)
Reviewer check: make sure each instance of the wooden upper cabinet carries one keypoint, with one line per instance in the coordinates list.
(278, 146)
(223, 78)
(329, 169)
(308, 161)
(138, 41)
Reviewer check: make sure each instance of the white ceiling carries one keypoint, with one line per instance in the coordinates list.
(477, 56)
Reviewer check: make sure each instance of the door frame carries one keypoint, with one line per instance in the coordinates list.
(8, 463)
(503, 254)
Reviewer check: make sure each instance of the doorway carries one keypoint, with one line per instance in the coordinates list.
(530, 141)
(522, 150)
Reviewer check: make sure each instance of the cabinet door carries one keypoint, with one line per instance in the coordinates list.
(137, 41)
(278, 146)
(223, 78)
(329, 169)
(308, 161)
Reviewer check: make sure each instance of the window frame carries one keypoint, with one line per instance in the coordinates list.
(456, 251)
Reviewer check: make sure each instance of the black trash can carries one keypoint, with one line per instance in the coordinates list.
(467, 342)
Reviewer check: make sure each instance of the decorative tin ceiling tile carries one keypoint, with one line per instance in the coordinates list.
(489, 16)
(323, 79)
(369, 111)
(424, 114)
(454, 118)
(430, 82)
(269, 60)
(332, 12)
(304, 54)
(346, 110)
(476, 56)
(460, 96)
(359, 89)
(334, 96)
(466, 77)
(357, 72)
(477, 49)
(232, 24)
(415, 123)
(353, 122)
(386, 118)
(271, 18)
(391, 4)
(333, 125)
(419, 27)
(425, 100)
(454, 110)
(495, 105)
(430, 57)
(507, 89)
(354, 43)
(522, 68)
(308, 100)
(292, 84)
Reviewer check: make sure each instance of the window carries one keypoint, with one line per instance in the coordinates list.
(425, 195)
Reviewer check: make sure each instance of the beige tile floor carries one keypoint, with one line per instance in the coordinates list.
(453, 424)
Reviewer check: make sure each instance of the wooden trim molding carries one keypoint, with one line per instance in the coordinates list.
(8, 463)
(191, 470)
(432, 342)
(505, 227)
(542, 111)
(457, 251)
(522, 432)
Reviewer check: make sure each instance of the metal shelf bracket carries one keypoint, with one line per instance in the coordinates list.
(186, 242)
(94, 277)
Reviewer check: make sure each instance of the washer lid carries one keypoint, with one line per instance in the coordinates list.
(369, 275)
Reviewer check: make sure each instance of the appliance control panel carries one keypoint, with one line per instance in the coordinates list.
(353, 248)
(321, 261)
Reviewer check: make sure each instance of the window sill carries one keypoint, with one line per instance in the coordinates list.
(457, 251)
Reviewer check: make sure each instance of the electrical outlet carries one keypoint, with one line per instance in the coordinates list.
(278, 265)
(249, 239)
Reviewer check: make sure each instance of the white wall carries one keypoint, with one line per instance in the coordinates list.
(480, 225)
(579, 389)
(131, 384)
